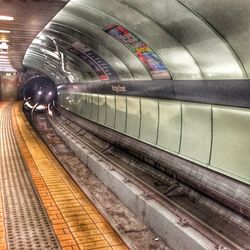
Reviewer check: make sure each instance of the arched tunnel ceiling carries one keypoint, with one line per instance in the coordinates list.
(191, 39)
(64, 40)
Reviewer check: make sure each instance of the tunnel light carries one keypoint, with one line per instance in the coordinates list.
(6, 18)
(28, 105)
(50, 93)
(71, 79)
(39, 92)
(3, 45)
(4, 31)
(4, 41)
(26, 99)
(53, 54)
(41, 36)
(49, 110)
(41, 107)
(37, 41)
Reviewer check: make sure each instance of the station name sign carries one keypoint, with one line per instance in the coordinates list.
(118, 88)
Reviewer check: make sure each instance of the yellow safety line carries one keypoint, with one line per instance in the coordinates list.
(75, 220)
(3, 243)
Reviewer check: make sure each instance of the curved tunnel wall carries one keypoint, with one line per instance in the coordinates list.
(216, 137)
(191, 40)
(87, 43)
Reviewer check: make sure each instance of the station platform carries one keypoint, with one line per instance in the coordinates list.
(40, 205)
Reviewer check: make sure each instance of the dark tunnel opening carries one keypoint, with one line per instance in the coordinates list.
(39, 91)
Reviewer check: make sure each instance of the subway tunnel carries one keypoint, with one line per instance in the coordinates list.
(125, 124)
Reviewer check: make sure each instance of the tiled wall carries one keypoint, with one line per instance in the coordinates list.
(216, 137)
(8, 87)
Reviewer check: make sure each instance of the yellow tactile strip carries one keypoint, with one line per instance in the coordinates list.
(76, 222)
(3, 243)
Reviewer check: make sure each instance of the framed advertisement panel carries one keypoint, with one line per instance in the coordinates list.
(145, 53)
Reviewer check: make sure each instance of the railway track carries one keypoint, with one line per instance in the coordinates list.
(157, 186)
(133, 232)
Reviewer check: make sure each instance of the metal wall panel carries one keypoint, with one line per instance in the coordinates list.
(133, 116)
(60, 97)
(216, 137)
(110, 118)
(231, 19)
(164, 44)
(169, 125)
(102, 109)
(88, 104)
(71, 101)
(231, 143)
(82, 109)
(77, 99)
(196, 131)
(68, 102)
(121, 110)
(95, 107)
(149, 120)
(65, 96)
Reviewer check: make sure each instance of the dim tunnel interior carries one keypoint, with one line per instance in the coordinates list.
(39, 90)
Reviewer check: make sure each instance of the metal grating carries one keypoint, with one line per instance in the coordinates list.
(26, 222)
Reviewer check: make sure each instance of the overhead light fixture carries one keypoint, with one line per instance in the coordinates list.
(4, 31)
(36, 40)
(6, 18)
(3, 45)
(4, 41)
(41, 36)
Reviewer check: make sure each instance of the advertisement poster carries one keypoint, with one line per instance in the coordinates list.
(103, 70)
(146, 55)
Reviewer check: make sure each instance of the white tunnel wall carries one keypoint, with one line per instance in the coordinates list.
(190, 39)
(215, 137)
(194, 40)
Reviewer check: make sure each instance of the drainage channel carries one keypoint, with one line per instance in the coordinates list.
(26, 223)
